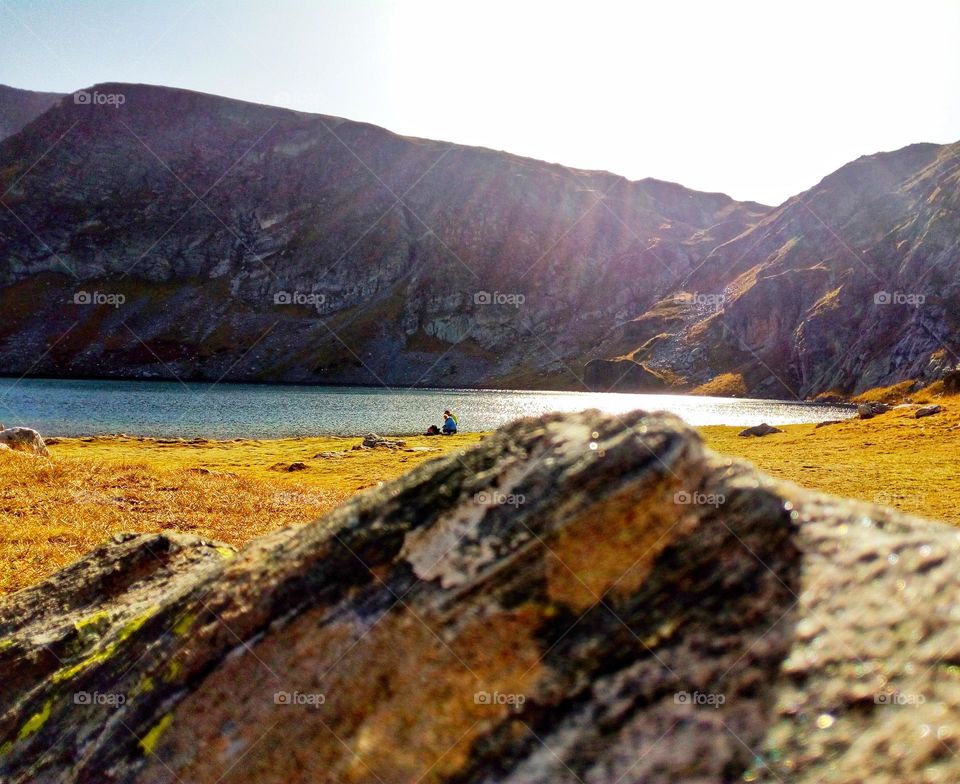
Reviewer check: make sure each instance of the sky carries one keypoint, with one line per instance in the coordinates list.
(759, 100)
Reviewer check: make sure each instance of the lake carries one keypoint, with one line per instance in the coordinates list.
(170, 409)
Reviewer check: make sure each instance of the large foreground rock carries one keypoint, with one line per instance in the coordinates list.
(579, 598)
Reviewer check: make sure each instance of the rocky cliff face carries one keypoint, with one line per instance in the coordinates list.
(579, 598)
(850, 285)
(170, 232)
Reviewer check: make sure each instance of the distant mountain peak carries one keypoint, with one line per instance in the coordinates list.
(20, 107)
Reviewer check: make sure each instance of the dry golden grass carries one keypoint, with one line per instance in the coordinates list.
(895, 393)
(900, 393)
(892, 459)
(52, 511)
(724, 385)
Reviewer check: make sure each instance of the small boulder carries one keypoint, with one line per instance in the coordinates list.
(759, 430)
(829, 422)
(328, 455)
(872, 409)
(23, 439)
(951, 381)
(289, 467)
(208, 472)
(373, 441)
(927, 411)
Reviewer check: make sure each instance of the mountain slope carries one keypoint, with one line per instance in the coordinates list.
(155, 232)
(20, 107)
(403, 260)
(850, 285)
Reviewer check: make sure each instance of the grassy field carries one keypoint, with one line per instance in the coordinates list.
(54, 510)
(894, 459)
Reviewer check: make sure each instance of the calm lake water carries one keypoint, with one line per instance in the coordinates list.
(171, 409)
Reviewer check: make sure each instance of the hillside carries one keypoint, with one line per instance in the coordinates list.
(851, 285)
(152, 232)
(223, 239)
(19, 107)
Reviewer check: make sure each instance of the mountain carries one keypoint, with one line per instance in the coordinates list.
(20, 107)
(154, 232)
(850, 285)
(393, 259)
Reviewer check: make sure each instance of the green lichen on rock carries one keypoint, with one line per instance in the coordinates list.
(133, 624)
(108, 651)
(145, 685)
(35, 723)
(98, 621)
(173, 672)
(149, 741)
(182, 626)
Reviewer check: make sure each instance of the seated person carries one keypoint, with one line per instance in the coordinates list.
(449, 423)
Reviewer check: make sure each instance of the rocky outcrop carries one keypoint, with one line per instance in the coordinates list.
(578, 598)
(851, 285)
(374, 441)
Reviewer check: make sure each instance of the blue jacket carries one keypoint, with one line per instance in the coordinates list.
(449, 424)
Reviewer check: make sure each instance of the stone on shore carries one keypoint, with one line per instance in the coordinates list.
(23, 439)
(872, 409)
(762, 429)
(373, 441)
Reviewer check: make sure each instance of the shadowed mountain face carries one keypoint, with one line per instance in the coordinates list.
(20, 107)
(850, 285)
(153, 232)
(206, 237)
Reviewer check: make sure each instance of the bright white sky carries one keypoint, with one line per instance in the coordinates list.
(756, 99)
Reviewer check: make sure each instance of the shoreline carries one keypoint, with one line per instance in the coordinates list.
(139, 436)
